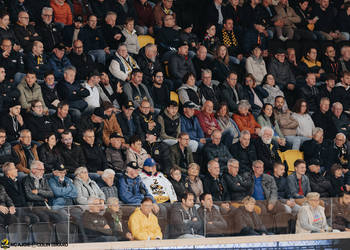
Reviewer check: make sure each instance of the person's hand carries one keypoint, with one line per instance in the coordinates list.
(6, 54)
(210, 222)
(155, 208)
(347, 187)
(26, 38)
(119, 88)
(193, 44)
(99, 172)
(345, 170)
(129, 236)
(4, 209)
(202, 140)
(36, 34)
(225, 206)
(117, 36)
(19, 119)
(106, 226)
(194, 219)
(240, 57)
(16, 47)
(12, 210)
(347, 229)
(55, 102)
(72, 127)
(290, 86)
(270, 206)
(107, 50)
(321, 71)
(46, 112)
(35, 191)
(278, 23)
(281, 141)
(322, 231)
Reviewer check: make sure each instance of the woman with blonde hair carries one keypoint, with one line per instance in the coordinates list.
(194, 180)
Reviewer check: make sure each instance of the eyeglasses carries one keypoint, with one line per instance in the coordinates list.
(46, 15)
(148, 107)
(24, 17)
(38, 106)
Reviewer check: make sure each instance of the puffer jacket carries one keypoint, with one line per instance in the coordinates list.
(86, 190)
(281, 72)
(256, 67)
(189, 93)
(131, 42)
(63, 13)
(29, 94)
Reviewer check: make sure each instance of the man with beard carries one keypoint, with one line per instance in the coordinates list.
(148, 62)
(70, 33)
(159, 91)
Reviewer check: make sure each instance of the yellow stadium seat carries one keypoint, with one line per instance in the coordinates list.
(174, 96)
(290, 156)
(144, 39)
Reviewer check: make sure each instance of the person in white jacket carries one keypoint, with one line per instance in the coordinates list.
(255, 65)
(131, 40)
(156, 183)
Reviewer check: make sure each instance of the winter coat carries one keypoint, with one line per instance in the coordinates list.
(65, 192)
(44, 191)
(131, 42)
(86, 190)
(256, 67)
(29, 94)
(294, 186)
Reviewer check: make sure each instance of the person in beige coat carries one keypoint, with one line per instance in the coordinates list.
(255, 65)
(286, 18)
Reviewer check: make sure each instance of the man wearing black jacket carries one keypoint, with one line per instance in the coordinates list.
(7, 154)
(127, 120)
(323, 119)
(12, 62)
(37, 61)
(214, 184)
(8, 91)
(149, 63)
(111, 32)
(318, 182)
(12, 122)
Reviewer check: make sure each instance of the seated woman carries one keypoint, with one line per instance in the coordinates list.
(211, 40)
(86, 188)
(254, 93)
(231, 133)
(37, 121)
(222, 65)
(267, 119)
(306, 124)
(247, 220)
(269, 84)
(181, 185)
(245, 120)
(255, 65)
(194, 180)
(337, 180)
(48, 153)
(188, 91)
(311, 216)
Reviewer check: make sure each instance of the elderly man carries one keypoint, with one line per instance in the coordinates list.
(122, 64)
(156, 183)
(263, 187)
(111, 32)
(143, 224)
(310, 93)
(48, 30)
(37, 61)
(231, 92)
(63, 189)
(95, 225)
(136, 91)
(266, 149)
(149, 63)
(131, 188)
(340, 120)
(38, 193)
(61, 120)
(26, 151)
(107, 183)
(216, 150)
(207, 90)
(318, 182)
(244, 151)
(113, 215)
(180, 64)
(298, 182)
(338, 151)
(323, 119)
(214, 183)
(93, 40)
(207, 120)
(59, 61)
(81, 61)
(201, 61)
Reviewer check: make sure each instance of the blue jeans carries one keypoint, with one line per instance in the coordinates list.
(98, 55)
(296, 141)
(227, 136)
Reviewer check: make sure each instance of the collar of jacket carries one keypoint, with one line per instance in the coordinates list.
(309, 63)
(149, 173)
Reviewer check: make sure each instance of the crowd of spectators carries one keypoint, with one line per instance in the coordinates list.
(89, 118)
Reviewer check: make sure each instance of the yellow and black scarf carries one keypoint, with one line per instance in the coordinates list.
(229, 38)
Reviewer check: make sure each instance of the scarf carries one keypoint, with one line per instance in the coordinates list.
(229, 38)
(36, 181)
(29, 154)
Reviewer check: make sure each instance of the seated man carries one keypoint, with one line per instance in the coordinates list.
(135, 152)
(108, 184)
(244, 151)
(339, 152)
(61, 120)
(12, 122)
(318, 182)
(184, 219)
(12, 62)
(96, 226)
(207, 120)
(237, 187)
(169, 121)
(323, 119)
(127, 120)
(143, 224)
(146, 119)
(131, 188)
(62, 187)
(157, 184)
(72, 154)
(180, 154)
(149, 63)
(26, 151)
(110, 122)
(93, 122)
(340, 119)
(37, 61)
(113, 215)
(207, 90)
(310, 93)
(340, 212)
(30, 90)
(214, 183)
(95, 157)
(115, 153)
(7, 208)
(91, 83)
(210, 213)
(7, 153)
(216, 150)
(38, 193)
(298, 182)
(59, 61)
(266, 150)
(189, 124)
(263, 188)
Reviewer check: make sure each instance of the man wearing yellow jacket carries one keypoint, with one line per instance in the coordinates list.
(143, 224)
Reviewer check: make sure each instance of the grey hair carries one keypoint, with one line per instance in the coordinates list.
(70, 68)
(342, 135)
(337, 104)
(35, 164)
(111, 13)
(244, 104)
(323, 99)
(92, 199)
(211, 163)
(6, 166)
(79, 170)
(342, 50)
(112, 200)
(244, 132)
(312, 195)
(108, 172)
(45, 9)
(263, 129)
(206, 71)
(257, 162)
(149, 45)
(316, 130)
(23, 131)
(232, 161)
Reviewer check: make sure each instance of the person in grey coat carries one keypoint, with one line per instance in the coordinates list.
(86, 188)
(298, 182)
